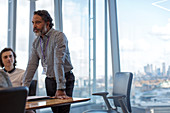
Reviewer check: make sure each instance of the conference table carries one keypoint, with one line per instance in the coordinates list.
(38, 102)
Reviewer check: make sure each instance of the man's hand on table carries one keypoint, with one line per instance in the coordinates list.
(61, 94)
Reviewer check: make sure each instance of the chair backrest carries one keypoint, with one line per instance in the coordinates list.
(13, 99)
(32, 88)
(122, 86)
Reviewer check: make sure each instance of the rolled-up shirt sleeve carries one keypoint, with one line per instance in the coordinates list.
(59, 60)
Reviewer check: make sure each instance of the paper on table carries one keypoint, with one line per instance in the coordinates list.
(31, 98)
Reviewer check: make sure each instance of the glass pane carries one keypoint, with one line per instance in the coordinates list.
(4, 24)
(100, 46)
(144, 49)
(75, 26)
(22, 33)
(46, 5)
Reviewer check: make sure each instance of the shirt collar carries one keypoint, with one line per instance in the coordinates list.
(48, 34)
(10, 70)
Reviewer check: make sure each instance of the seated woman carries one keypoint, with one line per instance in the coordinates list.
(8, 63)
(4, 80)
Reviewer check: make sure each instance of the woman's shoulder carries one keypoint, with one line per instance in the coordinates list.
(19, 70)
(2, 72)
(4, 79)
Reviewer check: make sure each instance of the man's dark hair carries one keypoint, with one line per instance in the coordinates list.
(5, 50)
(45, 16)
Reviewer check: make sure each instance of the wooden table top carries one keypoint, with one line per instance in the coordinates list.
(38, 104)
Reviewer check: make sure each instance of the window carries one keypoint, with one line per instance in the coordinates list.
(144, 49)
(4, 24)
(22, 33)
(75, 26)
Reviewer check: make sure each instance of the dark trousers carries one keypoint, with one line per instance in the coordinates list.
(51, 87)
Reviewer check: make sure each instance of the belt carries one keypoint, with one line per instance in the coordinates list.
(53, 78)
(69, 72)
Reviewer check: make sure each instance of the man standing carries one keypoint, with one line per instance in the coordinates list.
(51, 46)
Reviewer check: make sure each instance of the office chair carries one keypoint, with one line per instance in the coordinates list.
(32, 88)
(121, 94)
(13, 99)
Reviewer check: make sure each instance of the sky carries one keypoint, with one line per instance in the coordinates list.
(144, 33)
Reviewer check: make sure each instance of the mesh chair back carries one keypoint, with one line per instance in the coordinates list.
(13, 99)
(122, 86)
(32, 88)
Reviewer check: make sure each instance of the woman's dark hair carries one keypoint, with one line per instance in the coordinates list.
(45, 16)
(5, 50)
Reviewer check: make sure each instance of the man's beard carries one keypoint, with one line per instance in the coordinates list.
(41, 32)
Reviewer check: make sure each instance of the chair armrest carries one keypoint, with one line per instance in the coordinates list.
(101, 93)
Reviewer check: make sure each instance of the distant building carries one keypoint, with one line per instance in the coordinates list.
(158, 71)
(163, 69)
(168, 71)
(148, 69)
